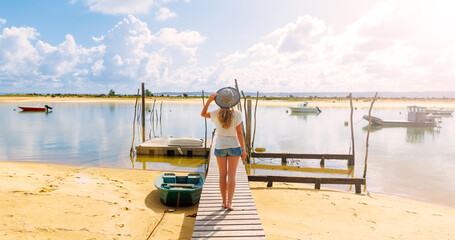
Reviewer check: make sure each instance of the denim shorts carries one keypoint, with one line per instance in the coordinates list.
(229, 152)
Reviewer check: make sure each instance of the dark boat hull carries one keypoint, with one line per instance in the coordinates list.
(386, 123)
(179, 190)
(35, 109)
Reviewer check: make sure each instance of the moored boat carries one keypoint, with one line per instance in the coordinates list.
(45, 108)
(416, 118)
(179, 190)
(303, 108)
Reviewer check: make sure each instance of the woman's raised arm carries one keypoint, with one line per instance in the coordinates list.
(204, 112)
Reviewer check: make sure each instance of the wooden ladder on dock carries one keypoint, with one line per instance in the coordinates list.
(213, 222)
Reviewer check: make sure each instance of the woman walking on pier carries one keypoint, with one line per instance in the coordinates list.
(229, 145)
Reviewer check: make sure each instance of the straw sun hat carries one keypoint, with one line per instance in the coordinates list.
(227, 97)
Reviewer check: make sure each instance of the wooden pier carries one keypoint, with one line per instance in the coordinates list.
(213, 222)
(323, 157)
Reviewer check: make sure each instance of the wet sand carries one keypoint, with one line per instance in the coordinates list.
(320, 102)
(44, 201)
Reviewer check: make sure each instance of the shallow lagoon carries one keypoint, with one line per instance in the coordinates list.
(415, 163)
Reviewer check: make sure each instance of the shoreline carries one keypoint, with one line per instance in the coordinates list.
(320, 102)
(50, 201)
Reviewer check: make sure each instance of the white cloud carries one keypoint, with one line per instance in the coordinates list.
(164, 14)
(387, 49)
(98, 39)
(18, 57)
(118, 6)
(2, 21)
(170, 36)
(129, 53)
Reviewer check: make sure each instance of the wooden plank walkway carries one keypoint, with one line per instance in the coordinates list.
(213, 222)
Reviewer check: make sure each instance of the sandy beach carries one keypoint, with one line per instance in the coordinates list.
(320, 102)
(44, 201)
(297, 211)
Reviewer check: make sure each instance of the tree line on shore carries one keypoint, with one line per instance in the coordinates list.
(149, 94)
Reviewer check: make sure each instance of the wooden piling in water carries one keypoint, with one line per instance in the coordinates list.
(143, 113)
(248, 127)
(255, 110)
(205, 121)
(368, 135)
(352, 162)
(134, 124)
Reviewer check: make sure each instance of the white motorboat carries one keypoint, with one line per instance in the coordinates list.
(303, 108)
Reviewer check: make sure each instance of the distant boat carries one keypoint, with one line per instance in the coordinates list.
(303, 108)
(46, 108)
(440, 111)
(417, 117)
(179, 190)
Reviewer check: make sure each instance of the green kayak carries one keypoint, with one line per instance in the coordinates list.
(179, 190)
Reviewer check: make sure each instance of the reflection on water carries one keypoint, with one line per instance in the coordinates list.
(304, 116)
(413, 134)
(409, 162)
(311, 168)
(182, 163)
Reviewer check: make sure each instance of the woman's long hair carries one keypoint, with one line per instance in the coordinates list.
(225, 116)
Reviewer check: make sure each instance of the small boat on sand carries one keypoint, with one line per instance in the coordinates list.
(416, 118)
(179, 190)
(45, 108)
(303, 108)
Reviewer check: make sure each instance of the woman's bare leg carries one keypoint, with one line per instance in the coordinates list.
(222, 167)
(232, 169)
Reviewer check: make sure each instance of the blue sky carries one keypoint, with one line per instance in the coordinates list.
(91, 46)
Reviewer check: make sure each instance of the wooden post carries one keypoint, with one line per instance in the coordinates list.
(358, 189)
(317, 183)
(161, 110)
(283, 162)
(352, 162)
(240, 106)
(205, 120)
(237, 88)
(143, 113)
(246, 122)
(248, 127)
(368, 135)
(255, 109)
(134, 125)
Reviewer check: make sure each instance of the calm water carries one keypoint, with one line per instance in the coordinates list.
(415, 163)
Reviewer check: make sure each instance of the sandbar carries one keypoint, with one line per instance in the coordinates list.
(361, 103)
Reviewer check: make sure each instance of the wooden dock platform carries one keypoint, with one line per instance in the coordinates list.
(161, 147)
(213, 222)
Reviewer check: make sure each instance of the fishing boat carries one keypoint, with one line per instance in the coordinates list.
(45, 108)
(417, 117)
(303, 108)
(179, 190)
